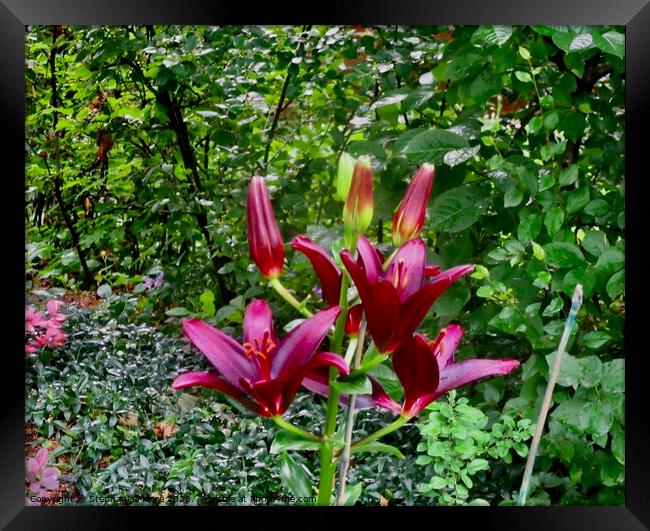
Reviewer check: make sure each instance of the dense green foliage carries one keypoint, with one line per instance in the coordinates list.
(140, 142)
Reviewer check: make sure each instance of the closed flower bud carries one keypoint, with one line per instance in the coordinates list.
(344, 176)
(409, 217)
(357, 212)
(264, 239)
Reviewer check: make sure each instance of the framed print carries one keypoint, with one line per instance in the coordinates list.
(374, 259)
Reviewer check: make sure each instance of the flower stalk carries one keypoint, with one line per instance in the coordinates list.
(278, 286)
(349, 423)
(295, 429)
(327, 462)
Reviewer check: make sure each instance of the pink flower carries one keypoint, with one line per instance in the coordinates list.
(40, 477)
(33, 319)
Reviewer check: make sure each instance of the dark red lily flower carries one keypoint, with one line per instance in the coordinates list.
(263, 373)
(264, 238)
(426, 370)
(410, 214)
(396, 300)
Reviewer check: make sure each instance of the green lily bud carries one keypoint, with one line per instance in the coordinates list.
(344, 176)
(357, 211)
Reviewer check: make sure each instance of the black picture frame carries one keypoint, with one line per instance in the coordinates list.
(633, 14)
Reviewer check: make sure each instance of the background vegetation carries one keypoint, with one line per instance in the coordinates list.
(140, 142)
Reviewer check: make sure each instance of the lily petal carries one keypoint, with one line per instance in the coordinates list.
(270, 395)
(447, 347)
(316, 365)
(382, 313)
(299, 345)
(212, 381)
(454, 273)
(326, 269)
(369, 258)
(467, 371)
(416, 307)
(431, 270)
(417, 370)
(258, 320)
(406, 268)
(222, 351)
(358, 275)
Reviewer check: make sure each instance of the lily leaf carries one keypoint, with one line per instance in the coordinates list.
(295, 477)
(288, 440)
(355, 384)
(377, 447)
(372, 359)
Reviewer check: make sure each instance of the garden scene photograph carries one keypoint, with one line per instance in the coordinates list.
(324, 265)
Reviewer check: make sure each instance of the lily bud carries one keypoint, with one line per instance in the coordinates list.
(264, 239)
(344, 176)
(410, 214)
(357, 212)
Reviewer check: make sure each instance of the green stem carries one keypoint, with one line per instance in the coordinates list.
(286, 295)
(327, 463)
(384, 431)
(295, 429)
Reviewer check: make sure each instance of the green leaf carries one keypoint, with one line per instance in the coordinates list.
(592, 371)
(377, 447)
(529, 227)
(595, 340)
(581, 42)
(569, 175)
(553, 220)
(611, 260)
(437, 483)
(577, 200)
(295, 477)
(562, 254)
(207, 303)
(372, 359)
(597, 207)
(178, 311)
(458, 208)
(486, 36)
(594, 242)
(554, 307)
(417, 98)
(431, 146)
(614, 376)
(288, 440)
(524, 77)
(512, 197)
(452, 301)
(618, 443)
(352, 494)
(355, 384)
(585, 275)
(570, 370)
(104, 291)
(616, 284)
(611, 42)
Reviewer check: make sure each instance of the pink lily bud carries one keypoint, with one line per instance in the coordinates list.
(409, 217)
(264, 238)
(357, 212)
